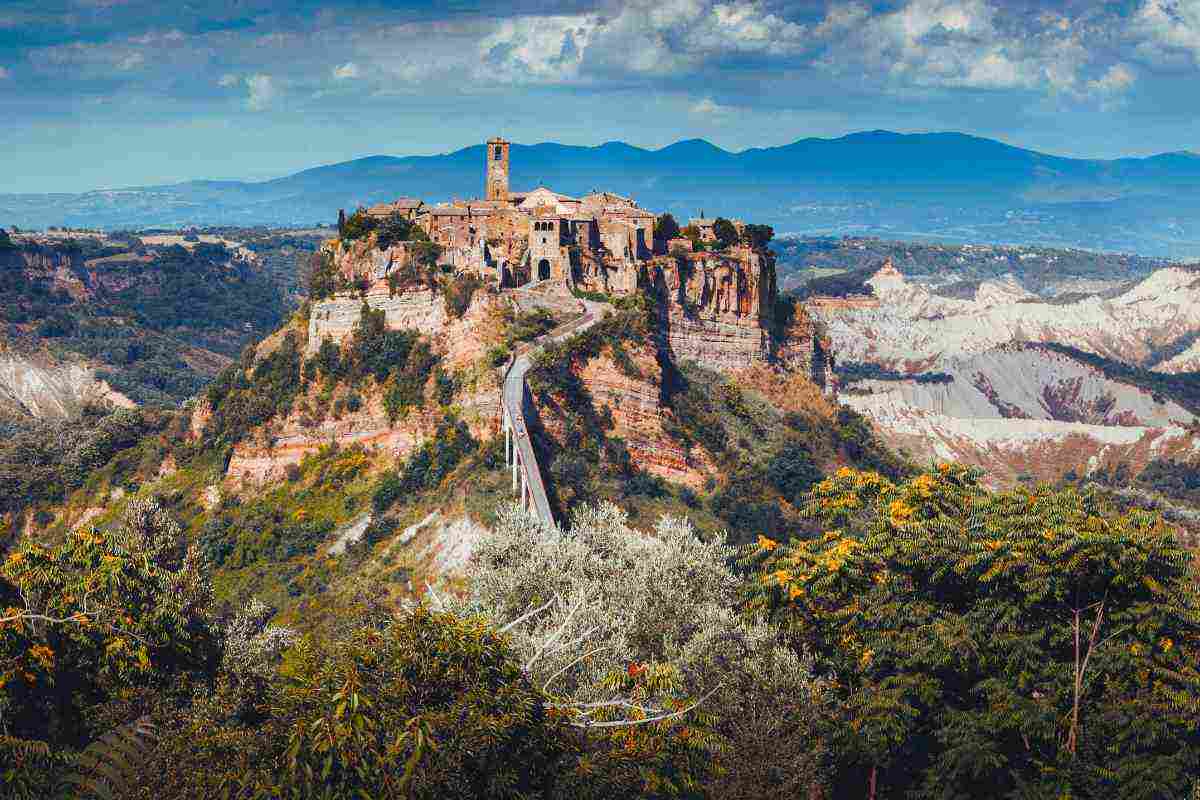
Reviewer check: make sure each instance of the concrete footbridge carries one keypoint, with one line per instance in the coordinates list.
(516, 403)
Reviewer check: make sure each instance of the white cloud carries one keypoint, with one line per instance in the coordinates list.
(536, 49)
(709, 107)
(346, 71)
(131, 61)
(262, 92)
(1173, 25)
(1118, 78)
(972, 44)
(5, 74)
(229, 79)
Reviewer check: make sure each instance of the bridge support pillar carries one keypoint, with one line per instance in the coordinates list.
(524, 491)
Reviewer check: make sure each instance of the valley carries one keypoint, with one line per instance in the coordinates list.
(325, 420)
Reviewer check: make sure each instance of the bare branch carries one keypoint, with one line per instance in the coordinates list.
(441, 605)
(525, 616)
(562, 628)
(573, 662)
(627, 723)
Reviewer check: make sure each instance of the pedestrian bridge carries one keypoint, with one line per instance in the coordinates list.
(516, 403)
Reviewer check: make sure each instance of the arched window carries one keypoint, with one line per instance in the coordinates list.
(499, 152)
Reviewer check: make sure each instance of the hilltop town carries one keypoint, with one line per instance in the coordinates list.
(716, 287)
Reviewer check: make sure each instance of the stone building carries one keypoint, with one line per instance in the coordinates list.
(715, 307)
(405, 207)
(601, 242)
(496, 187)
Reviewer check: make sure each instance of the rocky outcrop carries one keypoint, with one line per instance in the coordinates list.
(460, 340)
(48, 390)
(629, 390)
(715, 309)
(287, 441)
(1012, 449)
(632, 395)
(913, 326)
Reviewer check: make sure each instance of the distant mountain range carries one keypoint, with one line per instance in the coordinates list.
(941, 185)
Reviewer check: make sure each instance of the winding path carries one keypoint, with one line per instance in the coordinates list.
(516, 402)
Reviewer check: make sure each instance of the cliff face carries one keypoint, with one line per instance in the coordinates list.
(633, 397)
(461, 343)
(716, 309)
(361, 260)
(719, 310)
(286, 441)
(420, 309)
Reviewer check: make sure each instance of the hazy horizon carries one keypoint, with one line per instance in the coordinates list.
(735, 150)
(112, 93)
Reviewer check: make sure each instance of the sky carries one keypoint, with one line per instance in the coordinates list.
(113, 93)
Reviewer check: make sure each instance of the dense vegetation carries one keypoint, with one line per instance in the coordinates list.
(1030, 643)
(43, 460)
(886, 632)
(767, 459)
(926, 638)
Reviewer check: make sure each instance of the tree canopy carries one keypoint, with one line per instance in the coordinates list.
(726, 233)
(1025, 643)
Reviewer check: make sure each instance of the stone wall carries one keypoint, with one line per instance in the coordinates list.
(418, 309)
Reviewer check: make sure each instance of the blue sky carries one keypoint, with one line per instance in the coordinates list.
(108, 93)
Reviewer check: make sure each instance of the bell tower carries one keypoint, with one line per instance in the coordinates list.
(496, 187)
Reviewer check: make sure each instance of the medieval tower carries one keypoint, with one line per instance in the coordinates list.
(497, 169)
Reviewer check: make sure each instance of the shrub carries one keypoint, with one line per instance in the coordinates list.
(659, 609)
(726, 233)
(457, 294)
(96, 618)
(388, 489)
(426, 705)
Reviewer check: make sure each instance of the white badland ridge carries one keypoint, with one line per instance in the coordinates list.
(912, 327)
(1011, 407)
(51, 390)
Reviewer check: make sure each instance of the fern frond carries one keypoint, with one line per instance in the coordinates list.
(110, 767)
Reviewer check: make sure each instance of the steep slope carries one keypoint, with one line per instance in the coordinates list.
(84, 318)
(1010, 450)
(51, 390)
(1028, 382)
(1021, 386)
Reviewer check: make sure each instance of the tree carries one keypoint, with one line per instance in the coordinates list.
(636, 635)
(726, 233)
(666, 228)
(758, 236)
(322, 279)
(358, 225)
(1027, 643)
(89, 623)
(341, 224)
(424, 705)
